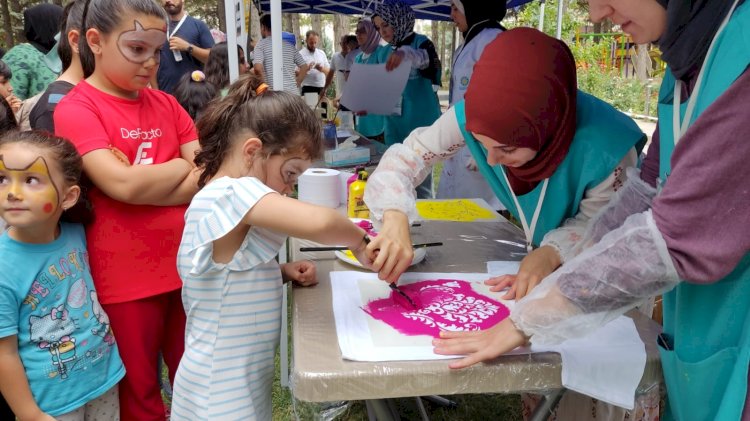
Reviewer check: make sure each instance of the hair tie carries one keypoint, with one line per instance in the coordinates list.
(261, 88)
(198, 76)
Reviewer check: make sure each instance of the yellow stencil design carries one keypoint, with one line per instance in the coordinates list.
(459, 210)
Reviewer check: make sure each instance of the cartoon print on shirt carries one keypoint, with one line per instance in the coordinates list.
(53, 332)
(103, 329)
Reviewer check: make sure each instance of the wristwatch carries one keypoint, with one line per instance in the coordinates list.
(190, 49)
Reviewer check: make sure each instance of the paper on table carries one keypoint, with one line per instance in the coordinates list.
(459, 210)
(607, 363)
(362, 338)
(373, 89)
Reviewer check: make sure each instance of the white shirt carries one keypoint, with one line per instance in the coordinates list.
(314, 77)
(341, 65)
(233, 309)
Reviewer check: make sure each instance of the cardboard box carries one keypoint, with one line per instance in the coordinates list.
(347, 157)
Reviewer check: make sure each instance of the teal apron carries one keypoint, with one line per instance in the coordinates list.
(603, 137)
(419, 104)
(707, 325)
(371, 125)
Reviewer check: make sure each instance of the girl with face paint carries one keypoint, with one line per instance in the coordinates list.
(58, 358)
(138, 146)
(682, 228)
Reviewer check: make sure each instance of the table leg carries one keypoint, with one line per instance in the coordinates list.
(547, 405)
(381, 409)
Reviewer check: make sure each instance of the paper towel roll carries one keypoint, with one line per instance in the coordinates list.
(320, 186)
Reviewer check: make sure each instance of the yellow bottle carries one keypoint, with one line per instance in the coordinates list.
(356, 207)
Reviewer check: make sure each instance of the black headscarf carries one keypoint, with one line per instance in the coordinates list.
(40, 25)
(691, 25)
(482, 14)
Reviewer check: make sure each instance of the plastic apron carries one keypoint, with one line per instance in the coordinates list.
(706, 369)
(419, 104)
(372, 124)
(603, 137)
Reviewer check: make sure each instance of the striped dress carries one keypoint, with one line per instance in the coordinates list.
(233, 310)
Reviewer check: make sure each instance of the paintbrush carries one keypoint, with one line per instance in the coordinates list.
(342, 248)
(398, 290)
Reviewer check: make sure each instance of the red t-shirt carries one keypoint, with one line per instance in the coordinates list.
(132, 248)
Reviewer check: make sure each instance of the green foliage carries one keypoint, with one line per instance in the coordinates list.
(606, 82)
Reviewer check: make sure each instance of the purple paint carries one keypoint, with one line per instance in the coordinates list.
(445, 304)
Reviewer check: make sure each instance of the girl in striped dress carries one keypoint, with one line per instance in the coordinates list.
(255, 142)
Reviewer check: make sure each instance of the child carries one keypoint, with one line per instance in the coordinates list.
(6, 89)
(254, 145)
(58, 357)
(194, 92)
(140, 194)
(217, 66)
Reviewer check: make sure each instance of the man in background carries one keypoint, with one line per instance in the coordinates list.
(315, 79)
(186, 49)
(263, 64)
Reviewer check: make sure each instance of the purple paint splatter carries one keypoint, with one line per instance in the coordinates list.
(445, 304)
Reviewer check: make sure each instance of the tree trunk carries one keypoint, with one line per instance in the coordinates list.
(7, 24)
(340, 28)
(253, 31)
(443, 48)
(642, 62)
(221, 11)
(17, 27)
(317, 24)
(286, 22)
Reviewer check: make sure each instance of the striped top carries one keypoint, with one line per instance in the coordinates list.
(292, 60)
(233, 309)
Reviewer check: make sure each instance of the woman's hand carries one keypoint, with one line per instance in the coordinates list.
(394, 60)
(301, 272)
(391, 251)
(480, 345)
(534, 267)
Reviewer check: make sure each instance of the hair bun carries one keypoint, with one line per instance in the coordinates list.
(198, 76)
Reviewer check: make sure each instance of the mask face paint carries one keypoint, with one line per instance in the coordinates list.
(27, 192)
(139, 44)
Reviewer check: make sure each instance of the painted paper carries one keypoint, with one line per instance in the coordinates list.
(459, 210)
(444, 304)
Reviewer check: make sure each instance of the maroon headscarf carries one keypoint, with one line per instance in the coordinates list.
(523, 93)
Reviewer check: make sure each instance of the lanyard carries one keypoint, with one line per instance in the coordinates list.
(680, 127)
(528, 231)
(176, 28)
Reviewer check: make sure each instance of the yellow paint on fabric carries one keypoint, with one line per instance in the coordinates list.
(459, 210)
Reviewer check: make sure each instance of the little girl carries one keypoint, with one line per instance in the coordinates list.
(58, 357)
(254, 145)
(194, 92)
(140, 195)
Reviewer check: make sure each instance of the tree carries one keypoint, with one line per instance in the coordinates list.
(8, 38)
(340, 28)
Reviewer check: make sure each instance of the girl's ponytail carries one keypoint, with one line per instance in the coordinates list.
(281, 120)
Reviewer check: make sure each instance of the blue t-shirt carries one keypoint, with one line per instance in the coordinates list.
(196, 33)
(65, 342)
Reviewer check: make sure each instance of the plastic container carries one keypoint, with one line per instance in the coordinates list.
(356, 207)
(329, 135)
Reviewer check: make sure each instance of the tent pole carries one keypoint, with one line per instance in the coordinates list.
(560, 5)
(276, 51)
(540, 27)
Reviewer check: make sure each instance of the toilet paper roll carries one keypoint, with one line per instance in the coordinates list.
(320, 186)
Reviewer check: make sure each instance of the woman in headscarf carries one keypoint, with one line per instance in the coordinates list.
(479, 24)
(682, 228)
(373, 51)
(419, 105)
(33, 65)
(543, 146)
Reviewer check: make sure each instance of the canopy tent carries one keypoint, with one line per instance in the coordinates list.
(424, 9)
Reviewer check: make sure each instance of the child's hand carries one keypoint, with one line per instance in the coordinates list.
(302, 272)
(14, 102)
(534, 268)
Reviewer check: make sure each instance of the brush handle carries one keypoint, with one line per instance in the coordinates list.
(342, 248)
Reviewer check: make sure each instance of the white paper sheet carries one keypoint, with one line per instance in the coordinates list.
(362, 338)
(373, 89)
(606, 364)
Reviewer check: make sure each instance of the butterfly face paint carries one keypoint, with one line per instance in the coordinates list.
(139, 45)
(27, 192)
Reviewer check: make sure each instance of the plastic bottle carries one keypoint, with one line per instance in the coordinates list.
(352, 179)
(356, 205)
